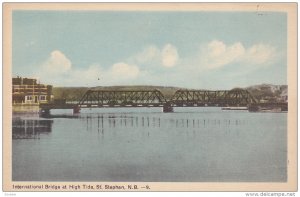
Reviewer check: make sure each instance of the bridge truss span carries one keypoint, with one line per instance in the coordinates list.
(128, 98)
(235, 97)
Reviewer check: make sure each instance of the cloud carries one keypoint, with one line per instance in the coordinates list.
(217, 54)
(169, 55)
(57, 63)
(97, 75)
(122, 71)
(149, 54)
(162, 66)
(58, 70)
(83, 76)
(260, 54)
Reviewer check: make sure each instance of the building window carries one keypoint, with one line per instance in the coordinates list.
(42, 98)
(29, 98)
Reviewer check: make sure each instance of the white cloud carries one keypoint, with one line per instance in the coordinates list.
(96, 75)
(123, 71)
(169, 55)
(57, 63)
(84, 76)
(148, 66)
(149, 54)
(260, 54)
(217, 54)
(58, 70)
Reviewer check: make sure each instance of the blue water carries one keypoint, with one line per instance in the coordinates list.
(144, 144)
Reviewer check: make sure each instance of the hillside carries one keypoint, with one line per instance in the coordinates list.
(269, 92)
(263, 92)
(75, 93)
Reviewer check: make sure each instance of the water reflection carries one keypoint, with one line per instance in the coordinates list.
(112, 122)
(118, 147)
(30, 129)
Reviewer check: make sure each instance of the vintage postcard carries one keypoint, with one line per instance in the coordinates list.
(150, 97)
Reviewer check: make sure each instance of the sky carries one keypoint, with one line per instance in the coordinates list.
(201, 50)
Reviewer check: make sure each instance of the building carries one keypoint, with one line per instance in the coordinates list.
(28, 91)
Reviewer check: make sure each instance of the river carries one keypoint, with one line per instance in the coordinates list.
(143, 144)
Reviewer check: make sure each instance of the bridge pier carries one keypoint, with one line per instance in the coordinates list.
(76, 110)
(168, 108)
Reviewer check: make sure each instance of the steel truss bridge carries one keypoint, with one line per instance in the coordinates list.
(100, 98)
(236, 97)
(154, 98)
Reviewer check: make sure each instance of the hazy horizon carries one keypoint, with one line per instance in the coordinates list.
(164, 86)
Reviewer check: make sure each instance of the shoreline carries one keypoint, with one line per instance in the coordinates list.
(25, 108)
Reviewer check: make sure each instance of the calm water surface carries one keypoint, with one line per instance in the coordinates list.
(191, 144)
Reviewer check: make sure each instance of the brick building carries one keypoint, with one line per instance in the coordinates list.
(28, 91)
